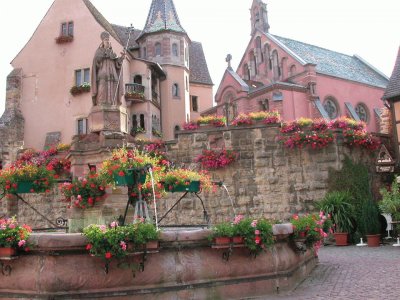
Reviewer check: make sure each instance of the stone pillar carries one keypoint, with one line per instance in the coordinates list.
(108, 118)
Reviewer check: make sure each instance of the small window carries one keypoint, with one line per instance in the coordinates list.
(175, 49)
(142, 124)
(67, 29)
(134, 121)
(144, 52)
(362, 112)
(331, 108)
(175, 90)
(194, 104)
(176, 129)
(82, 76)
(82, 126)
(137, 79)
(186, 55)
(158, 49)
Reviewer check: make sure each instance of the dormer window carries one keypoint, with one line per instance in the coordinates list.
(66, 33)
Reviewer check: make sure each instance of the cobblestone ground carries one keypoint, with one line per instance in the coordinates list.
(351, 273)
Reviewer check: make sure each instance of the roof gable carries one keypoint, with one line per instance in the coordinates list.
(225, 82)
(393, 88)
(336, 64)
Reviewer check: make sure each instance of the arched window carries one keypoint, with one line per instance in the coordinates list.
(268, 62)
(275, 65)
(175, 49)
(253, 64)
(331, 107)
(246, 72)
(362, 112)
(137, 79)
(175, 90)
(144, 54)
(292, 70)
(158, 49)
(260, 56)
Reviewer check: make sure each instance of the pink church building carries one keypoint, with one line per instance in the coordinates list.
(298, 80)
(165, 78)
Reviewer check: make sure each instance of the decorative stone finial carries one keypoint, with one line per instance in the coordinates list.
(228, 60)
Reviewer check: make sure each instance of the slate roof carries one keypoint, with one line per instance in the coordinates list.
(162, 16)
(393, 88)
(198, 65)
(336, 64)
(123, 34)
(101, 20)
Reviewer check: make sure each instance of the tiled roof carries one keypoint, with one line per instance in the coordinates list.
(123, 33)
(101, 20)
(162, 16)
(393, 88)
(336, 64)
(198, 65)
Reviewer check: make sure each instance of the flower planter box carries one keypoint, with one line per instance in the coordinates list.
(192, 187)
(238, 240)
(129, 178)
(152, 245)
(7, 252)
(25, 187)
(222, 240)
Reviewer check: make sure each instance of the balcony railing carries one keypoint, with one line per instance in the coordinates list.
(134, 91)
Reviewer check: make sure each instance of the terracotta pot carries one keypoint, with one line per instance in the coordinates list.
(238, 240)
(7, 252)
(152, 245)
(222, 240)
(373, 240)
(341, 238)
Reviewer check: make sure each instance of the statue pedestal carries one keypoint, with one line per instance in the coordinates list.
(108, 118)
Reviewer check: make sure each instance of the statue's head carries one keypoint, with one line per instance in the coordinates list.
(104, 35)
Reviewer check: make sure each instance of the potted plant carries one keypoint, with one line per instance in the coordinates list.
(242, 119)
(145, 235)
(27, 178)
(370, 225)
(107, 241)
(84, 191)
(266, 117)
(390, 202)
(181, 180)
(309, 230)
(257, 233)
(79, 89)
(12, 237)
(213, 120)
(338, 205)
(222, 233)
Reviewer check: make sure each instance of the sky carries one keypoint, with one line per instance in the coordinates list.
(368, 28)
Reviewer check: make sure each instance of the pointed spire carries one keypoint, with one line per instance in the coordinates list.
(259, 16)
(162, 16)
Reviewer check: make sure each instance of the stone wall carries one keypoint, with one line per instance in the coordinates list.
(267, 180)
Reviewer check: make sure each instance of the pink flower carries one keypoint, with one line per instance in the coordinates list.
(108, 255)
(114, 224)
(103, 228)
(257, 240)
(21, 243)
(11, 226)
(123, 245)
(237, 219)
(257, 232)
(88, 246)
(254, 223)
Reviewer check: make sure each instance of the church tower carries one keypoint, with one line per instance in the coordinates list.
(164, 41)
(259, 16)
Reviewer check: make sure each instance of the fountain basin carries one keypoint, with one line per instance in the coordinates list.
(186, 267)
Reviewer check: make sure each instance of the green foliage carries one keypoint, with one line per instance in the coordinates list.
(224, 229)
(338, 205)
(354, 178)
(390, 203)
(310, 227)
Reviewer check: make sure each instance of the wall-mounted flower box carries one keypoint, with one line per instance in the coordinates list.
(62, 39)
(190, 186)
(25, 187)
(129, 178)
(79, 89)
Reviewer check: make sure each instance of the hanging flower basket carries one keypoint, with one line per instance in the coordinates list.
(191, 186)
(129, 177)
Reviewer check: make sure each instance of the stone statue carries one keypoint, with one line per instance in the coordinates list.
(106, 74)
